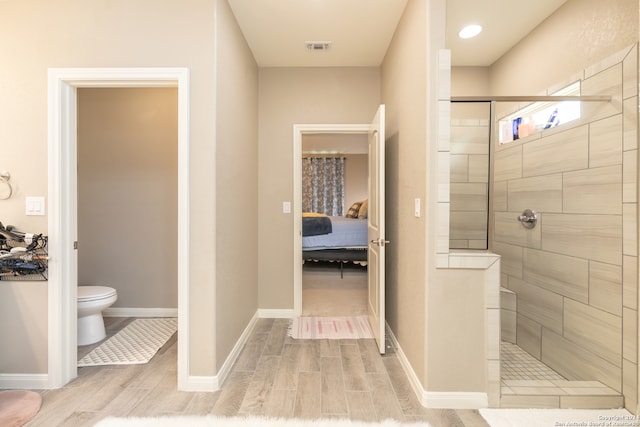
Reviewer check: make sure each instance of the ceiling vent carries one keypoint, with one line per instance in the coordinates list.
(317, 46)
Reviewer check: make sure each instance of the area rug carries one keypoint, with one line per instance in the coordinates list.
(137, 343)
(333, 328)
(558, 417)
(17, 407)
(211, 421)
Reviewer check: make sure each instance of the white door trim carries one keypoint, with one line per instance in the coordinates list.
(298, 131)
(62, 221)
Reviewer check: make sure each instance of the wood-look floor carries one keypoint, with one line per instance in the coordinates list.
(274, 376)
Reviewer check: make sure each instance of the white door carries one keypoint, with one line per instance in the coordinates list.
(376, 229)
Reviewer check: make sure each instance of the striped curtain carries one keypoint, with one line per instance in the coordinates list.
(323, 185)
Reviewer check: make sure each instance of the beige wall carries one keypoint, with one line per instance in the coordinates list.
(580, 33)
(35, 35)
(356, 179)
(291, 96)
(127, 194)
(236, 184)
(404, 72)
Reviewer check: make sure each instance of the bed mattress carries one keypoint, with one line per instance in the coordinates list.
(346, 233)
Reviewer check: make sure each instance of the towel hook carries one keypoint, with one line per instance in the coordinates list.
(4, 178)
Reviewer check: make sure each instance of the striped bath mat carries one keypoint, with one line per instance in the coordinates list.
(333, 328)
(137, 343)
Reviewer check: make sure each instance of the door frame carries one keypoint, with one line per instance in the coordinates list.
(298, 131)
(62, 218)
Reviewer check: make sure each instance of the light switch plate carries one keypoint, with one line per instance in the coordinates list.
(34, 205)
(286, 207)
(416, 207)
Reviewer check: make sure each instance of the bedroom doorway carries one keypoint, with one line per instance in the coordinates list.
(334, 183)
(373, 206)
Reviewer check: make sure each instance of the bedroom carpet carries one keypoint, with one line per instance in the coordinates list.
(324, 293)
(137, 343)
(333, 328)
(211, 421)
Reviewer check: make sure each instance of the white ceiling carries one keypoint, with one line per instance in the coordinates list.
(360, 30)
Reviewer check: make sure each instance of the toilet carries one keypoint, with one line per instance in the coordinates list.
(92, 300)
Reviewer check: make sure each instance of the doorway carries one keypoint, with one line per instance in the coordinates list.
(335, 184)
(375, 236)
(63, 271)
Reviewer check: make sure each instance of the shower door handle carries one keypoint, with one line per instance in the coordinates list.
(528, 218)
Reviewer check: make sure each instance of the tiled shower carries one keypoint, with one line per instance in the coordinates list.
(574, 275)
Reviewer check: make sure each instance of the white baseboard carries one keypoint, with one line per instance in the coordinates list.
(201, 384)
(24, 381)
(455, 400)
(225, 370)
(140, 312)
(268, 313)
(431, 399)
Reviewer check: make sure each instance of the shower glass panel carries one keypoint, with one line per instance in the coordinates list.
(469, 209)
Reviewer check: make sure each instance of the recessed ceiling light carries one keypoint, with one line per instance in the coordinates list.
(470, 31)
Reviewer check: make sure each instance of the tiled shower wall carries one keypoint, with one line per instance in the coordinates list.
(575, 273)
(469, 175)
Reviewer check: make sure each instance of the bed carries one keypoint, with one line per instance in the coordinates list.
(334, 238)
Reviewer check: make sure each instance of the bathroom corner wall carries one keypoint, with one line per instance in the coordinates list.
(575, 273)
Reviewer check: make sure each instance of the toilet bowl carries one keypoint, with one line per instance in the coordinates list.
(92, 300)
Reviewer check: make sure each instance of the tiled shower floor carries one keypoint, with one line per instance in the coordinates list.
(528, 383)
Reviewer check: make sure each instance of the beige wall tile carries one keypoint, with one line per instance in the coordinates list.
(529, 402)
(630, 74)
(459, 168)
(605, 287)
(560, 152)
(607, 82)
(605, 142)
(594, 330)
(593, 191)
(630, 385)
(630, 177)
(543, 306)
(529, 336)
(478, 244)
(479, 168)
(591, 402)
(630, 281)
(576, 363)
(468, 225)
(564, 275)
(540, 193)
(508, 299)
(630, 228)
(630, 335)
(596, 237)
(508, 163)
(630, 114)
(508, 326)
(511, 261)
(469, 140)
(500, 196)
(469, 197)
(509, 230)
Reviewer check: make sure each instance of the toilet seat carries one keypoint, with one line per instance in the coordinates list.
(94, 293)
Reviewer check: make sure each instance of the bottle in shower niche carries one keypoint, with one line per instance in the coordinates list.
(553, 119)
(514, 126)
